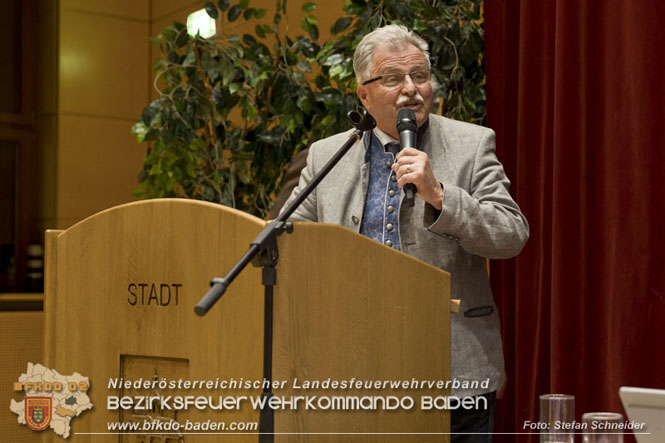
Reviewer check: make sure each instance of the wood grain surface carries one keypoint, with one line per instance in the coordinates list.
(345, 308)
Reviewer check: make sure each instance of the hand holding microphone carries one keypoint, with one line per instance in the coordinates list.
(407, 127)
(412, 167)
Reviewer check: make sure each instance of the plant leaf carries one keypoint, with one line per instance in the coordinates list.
(308, 7)
(234, 13)
(182, 39)
(341, 24)
(211, 9)
(190, 59)
(328, 119)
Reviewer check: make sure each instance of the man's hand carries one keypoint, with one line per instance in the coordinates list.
(412, 166)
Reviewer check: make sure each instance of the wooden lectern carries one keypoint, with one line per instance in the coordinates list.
(119, 297)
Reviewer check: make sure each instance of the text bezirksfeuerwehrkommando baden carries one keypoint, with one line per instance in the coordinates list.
(377, 397)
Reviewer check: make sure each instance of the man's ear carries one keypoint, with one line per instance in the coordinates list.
(362, 95)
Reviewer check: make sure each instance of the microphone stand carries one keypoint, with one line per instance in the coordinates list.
(263, 252)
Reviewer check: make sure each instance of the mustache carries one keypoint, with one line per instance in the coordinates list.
(406, 98)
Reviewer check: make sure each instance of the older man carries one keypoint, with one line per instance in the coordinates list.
(463, 212)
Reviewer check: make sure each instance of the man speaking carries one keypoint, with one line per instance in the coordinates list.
(462, 213)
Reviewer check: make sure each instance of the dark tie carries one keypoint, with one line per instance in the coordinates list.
(392, 147)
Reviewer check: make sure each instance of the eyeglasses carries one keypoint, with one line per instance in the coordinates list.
(393, 80)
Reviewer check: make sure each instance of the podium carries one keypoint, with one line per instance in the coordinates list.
(353, 320)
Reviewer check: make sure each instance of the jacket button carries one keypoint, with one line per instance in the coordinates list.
(391, 209)
(391, 193)
(355, 219)
(389, 243)
(389, 227)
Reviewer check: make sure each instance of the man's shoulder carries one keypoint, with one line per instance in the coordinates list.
(458, 128)
(323, 149)
(335, 140)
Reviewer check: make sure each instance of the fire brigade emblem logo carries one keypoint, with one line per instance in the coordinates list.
(38, 415)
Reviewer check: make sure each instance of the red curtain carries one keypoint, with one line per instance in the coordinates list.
(576, 95)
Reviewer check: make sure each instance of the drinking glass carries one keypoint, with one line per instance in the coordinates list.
(602, 427)
(557, 410)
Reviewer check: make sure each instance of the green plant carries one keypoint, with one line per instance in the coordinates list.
(288, 92)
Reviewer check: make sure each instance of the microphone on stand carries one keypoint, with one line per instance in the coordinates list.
(407, 127)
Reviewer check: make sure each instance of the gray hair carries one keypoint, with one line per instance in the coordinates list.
(390, 36)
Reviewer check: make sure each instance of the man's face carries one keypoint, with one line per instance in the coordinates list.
(383, 101)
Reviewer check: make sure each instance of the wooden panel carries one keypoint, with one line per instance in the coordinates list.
(104, 64)
(46, 129)
(163, 8)
(21, 302)
(97, 328)
(98, 162)
(134, 9)
(50, 279)
(21, 342)
(133, 368)
(345, 308)
(47, 60)
(46, 5)
(351, 308)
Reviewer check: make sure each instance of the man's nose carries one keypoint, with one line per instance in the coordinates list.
(408, 86)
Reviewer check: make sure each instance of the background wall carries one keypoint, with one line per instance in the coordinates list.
(102, 57)
(85, 75)
(95, 78)
(74, 77)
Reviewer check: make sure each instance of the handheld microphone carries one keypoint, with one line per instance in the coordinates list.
(407, 127)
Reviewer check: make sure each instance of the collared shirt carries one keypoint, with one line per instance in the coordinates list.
(380, 214)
